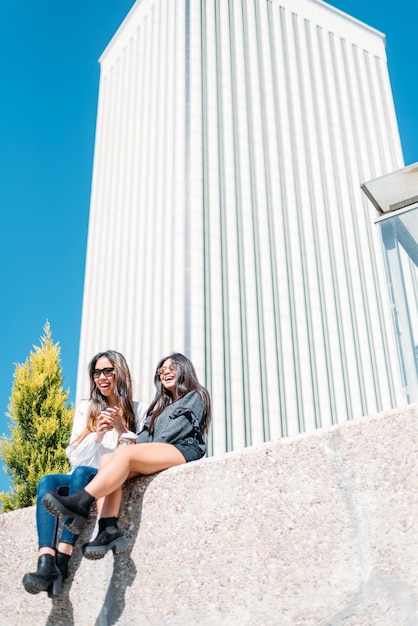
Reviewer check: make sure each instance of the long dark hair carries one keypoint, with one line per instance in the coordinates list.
(123, 392)
(186, 381)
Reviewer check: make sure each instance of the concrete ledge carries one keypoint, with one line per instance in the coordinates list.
(316, 529)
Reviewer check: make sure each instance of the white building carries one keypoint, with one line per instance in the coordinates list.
(227, 219)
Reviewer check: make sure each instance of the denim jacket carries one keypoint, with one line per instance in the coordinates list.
(180, 420)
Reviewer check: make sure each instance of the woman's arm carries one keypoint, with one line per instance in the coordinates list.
(80, 419)
(181, 419)
(89, 450)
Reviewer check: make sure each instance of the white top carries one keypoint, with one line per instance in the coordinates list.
(88, 452)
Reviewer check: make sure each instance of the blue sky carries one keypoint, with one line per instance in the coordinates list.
(49, 75)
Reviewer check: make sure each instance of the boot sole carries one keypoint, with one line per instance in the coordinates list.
(75, 522)
(35, 586)
(94, 553)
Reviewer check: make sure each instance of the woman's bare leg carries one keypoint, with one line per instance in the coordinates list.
(102, 510)
(65, 548)
(99, 504)
(128, 461)
(111, 504)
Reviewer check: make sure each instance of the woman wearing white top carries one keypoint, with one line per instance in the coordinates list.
(97, 426)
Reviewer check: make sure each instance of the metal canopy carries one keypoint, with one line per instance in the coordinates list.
(393, 191)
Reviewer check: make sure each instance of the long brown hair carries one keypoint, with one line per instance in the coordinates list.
(186, 381)
(123, 393)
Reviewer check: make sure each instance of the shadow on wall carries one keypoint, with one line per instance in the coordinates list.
(124, 570)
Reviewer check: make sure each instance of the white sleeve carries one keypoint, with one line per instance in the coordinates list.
(88, 451)
(80, 419)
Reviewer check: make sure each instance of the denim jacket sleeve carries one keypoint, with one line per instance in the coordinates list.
(183, 418)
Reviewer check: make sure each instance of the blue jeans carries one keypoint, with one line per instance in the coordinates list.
(64, 484)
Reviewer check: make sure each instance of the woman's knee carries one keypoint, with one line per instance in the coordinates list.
(81, 471)
(104, 460)
(121, 457)
(46, 483)
(52, 482)
(80, 477)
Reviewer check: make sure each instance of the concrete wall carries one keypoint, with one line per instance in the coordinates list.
(317, 529)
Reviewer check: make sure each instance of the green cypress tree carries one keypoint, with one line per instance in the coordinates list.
(41, 422)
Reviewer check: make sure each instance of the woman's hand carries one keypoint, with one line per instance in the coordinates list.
(104, 424)
(113, 419)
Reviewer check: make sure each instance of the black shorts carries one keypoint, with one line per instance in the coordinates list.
(189, 448)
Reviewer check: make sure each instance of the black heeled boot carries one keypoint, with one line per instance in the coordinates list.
(76, 507)
(46, 578)
(62, 561)
(109, 538)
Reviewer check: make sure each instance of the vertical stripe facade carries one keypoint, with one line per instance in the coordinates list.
(227, 219)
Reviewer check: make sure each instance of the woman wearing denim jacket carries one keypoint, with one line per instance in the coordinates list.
(173, 434)
(97, 426)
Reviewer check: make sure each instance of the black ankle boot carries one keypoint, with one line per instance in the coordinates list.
(62, 563)
(76, 507)
(46, 578)
(109, 538)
